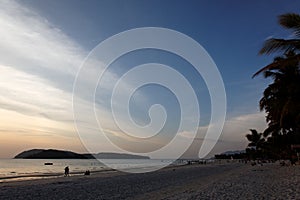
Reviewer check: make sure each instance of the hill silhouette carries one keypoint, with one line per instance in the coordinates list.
(62, 154)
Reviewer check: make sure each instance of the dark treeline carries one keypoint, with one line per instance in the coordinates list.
(281, 98)
(232, 156)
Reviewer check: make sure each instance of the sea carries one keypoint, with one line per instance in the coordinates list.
(27, 169)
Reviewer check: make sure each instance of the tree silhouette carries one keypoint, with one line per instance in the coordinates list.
(290, 21)
(256, 144)
(256, 139)
(281, 99)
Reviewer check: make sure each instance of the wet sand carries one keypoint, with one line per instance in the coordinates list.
(216, 181)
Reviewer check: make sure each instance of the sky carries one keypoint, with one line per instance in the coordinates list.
(45, 43)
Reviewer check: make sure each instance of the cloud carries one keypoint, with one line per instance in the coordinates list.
(233, 134)
(27, 38)
(32, 95)
(38, 65)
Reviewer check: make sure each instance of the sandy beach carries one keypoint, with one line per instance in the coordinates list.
(217, 181)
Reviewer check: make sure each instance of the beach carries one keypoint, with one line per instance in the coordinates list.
(213, 181)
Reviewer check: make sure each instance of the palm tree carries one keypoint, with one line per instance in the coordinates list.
(281, 99)
(290, 21)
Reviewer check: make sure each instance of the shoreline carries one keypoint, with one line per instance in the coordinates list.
(50, 175)
(77, 174)
(44, 176)
(211, 181)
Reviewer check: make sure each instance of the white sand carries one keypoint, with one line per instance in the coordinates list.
(229, 181)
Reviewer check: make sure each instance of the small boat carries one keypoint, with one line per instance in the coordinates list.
(48, 163)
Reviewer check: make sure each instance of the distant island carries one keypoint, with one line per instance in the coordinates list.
(61, 154)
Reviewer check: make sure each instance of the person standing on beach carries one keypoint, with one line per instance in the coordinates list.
(67, 171)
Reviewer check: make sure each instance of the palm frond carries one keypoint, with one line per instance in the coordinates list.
(280, 64)
(291, 21)
(272, 74)
(280, 45)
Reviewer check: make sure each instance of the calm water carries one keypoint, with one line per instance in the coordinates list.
(16, 169)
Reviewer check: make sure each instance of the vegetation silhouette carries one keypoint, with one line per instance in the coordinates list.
(281, 99)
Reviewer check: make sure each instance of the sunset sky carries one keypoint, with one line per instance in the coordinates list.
(43, 44)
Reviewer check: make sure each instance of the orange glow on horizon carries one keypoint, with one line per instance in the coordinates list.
(20, 132)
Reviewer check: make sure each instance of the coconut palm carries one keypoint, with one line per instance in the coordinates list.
(290, 21)
(281, 99)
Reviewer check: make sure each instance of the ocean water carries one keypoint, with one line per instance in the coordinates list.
(23, 169)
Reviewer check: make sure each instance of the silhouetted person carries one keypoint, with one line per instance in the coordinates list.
(67, 171)
(87, 172)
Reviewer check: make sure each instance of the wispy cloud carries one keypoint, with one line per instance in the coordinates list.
(32, 95)
(38, 65)
(31, 44)
(233, 134)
